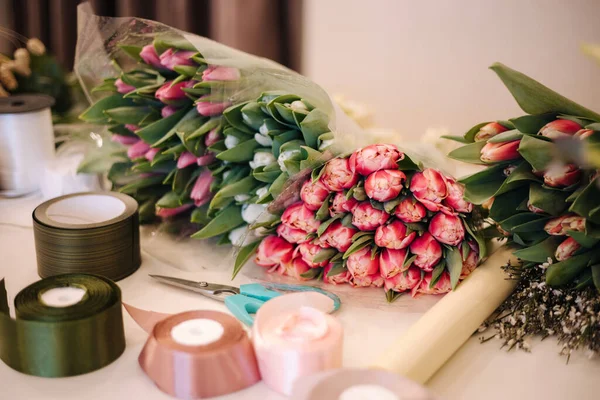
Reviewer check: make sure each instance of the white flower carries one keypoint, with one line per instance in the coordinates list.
(298, 106)
(284, 156)
(262, 192)
(241, 197)
(261, 159)
(263, 130)
(242, 236)
(252, 213)
(226, 174)
(263, 140)
(231, 141)
(326, 143)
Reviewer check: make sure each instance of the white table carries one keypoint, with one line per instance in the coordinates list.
(476, 371)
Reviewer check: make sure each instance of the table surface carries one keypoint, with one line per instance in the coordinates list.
(476, 371)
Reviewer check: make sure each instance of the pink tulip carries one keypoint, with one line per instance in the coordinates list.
(171, 212)
(427, 250)
(185, 160)
(560, 176)
(220, 73)
(308, 251)
(300, 217)
(295, 269)
(172, 93)
(132, 127)
(583, 134)
(138, 150)
(493, 152)
(292, 235)
(374, 280)
(566, 249)
(374, 158)
(409, 210)
(150, 154)
(122, 87)
(212, 137)
(442, 286)
(172, 58)
(469, 264)
(150, 57)
(206, 160)
(367, 218)
(560, 225)
(208, 109)
(489, 130)
(402, 283)
(168, 110)
(560, 128)
(341, 205)
(124, 139)
(342, 277)
(385, 184)
(337, 175)
(313, 194)
(360, 263)
(201, 190)
(273, 251)
(393, 236)
(338, 236)
(391, 262)
(447, 229)
(455, 198)
(429, 187)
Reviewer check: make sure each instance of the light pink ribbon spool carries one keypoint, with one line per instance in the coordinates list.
(294, 337)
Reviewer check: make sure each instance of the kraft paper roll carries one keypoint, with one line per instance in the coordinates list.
(65, 325)
(92, 232)
(294, 337)
(26, 142)
(196, 354)
(441, 331)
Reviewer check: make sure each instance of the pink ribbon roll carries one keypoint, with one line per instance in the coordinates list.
(294, 337)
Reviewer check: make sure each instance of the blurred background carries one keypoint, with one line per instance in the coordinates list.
(413, 64)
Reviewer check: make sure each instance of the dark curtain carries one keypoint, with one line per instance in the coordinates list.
(268, 28)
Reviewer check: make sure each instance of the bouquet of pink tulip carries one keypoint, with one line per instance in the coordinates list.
(374, 218)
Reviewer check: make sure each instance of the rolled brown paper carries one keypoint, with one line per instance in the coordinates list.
(436, 336)
(223, 363)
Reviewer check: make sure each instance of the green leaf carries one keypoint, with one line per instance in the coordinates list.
(538, 152)
(277, 186)
(479, 238)
(233, 115)
(584, 280)
(280, 140)
(587, 201)
(337, 268)
(482, 185)
(182, 177)
(564, 272)
(107, 86)
(459, 139)
(454, 263)
(315, 124)
(470, 135)
(204, 128)
(252, 115)
(505, 205)
(185, 70)
(323, 211)
(95, 113)
(243, 186)
(200, 215)
(519, 219)
(169, 200)
(359, 244)
(324, 254)
(541, 251)
(227, 220)
(240, 153)
(389, 206)
(531, 124)
(267, 174)
(470, 153)
(141, 183)
(243, 256)
(507, 136)
(163, 42)
(596, 275)
(128, 114)
(131, 51)
(535, 98)
(408, 261)
(583, 239)
(550, 200)
(312, 273)
(407, 164)
(180, 121)
(391, 296)
(436, 274)
(155, 131)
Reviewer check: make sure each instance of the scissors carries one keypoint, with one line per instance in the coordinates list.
(248, 298)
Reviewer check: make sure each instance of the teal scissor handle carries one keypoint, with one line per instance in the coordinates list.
(305, 288)
(242, 307)
(258, 291)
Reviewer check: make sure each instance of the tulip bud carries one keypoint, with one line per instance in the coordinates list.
(138, 150)
(384, 185)
(124, 139)
(374, 158)
(313, 194)
(391, 262)
(562, 175)
(447, 229)
(533, 208)
(494, 152)
(442, 286)
(201, 190)
(455, 198)
(367, 218)
(560, 128)
(292, 235)
(171, 212)
(374, 280)
(342, 277)
(220, 73)
(168, 110)
(341, 205)
(295, 269)
(561, 225)
(123, 87)
(132, 127)
(172, 93)
(409, 211)
(429, 187)
(308, 251)
(150, 57)
(273, 251)
(186, 159)
(337, 175)
(261, 159)
(360, 263)
(583, 134)
(401, 282)
(393, 236)
(300, 217)
(488, 131)
(566, 249)
(470, 263)
(208, 109)
(150, 154)
(36, 47)
(427, 250)
(212, 137)
(170, 58)
(338, 236)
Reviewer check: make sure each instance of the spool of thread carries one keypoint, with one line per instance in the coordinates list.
(65, 325)
(26, 142)
(93, 232)
(198, 354)
(295, 337)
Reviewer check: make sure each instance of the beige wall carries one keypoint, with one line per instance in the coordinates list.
(424, 63)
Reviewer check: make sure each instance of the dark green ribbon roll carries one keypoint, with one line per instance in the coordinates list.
(62, 341)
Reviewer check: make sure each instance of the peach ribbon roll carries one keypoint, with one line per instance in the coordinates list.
(294, 337)
(196, 354)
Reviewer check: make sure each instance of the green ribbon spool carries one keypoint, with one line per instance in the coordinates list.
(57, 341)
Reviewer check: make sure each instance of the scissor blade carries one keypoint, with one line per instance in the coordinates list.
(211, 290)
(181, 283)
